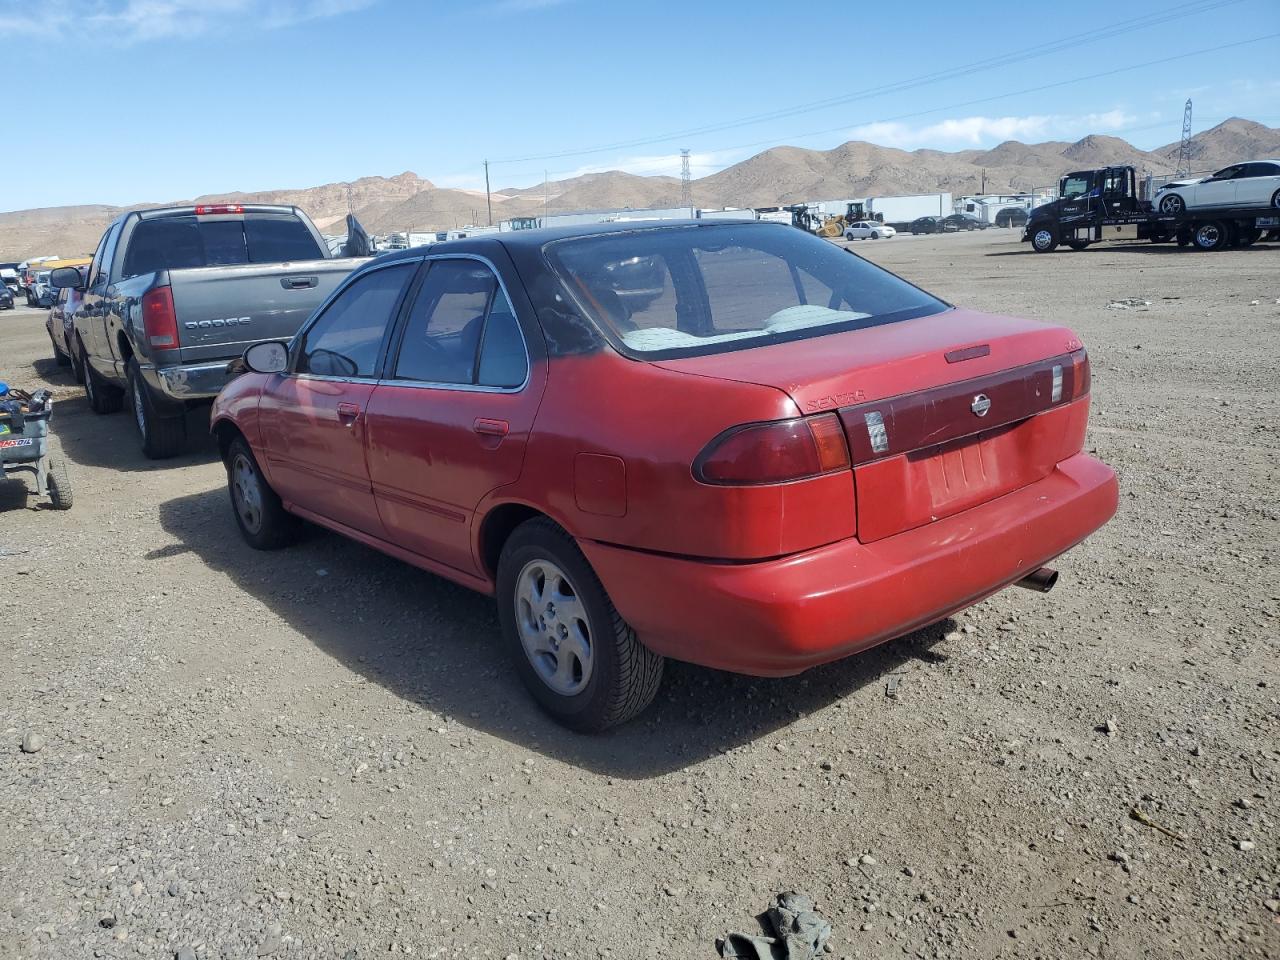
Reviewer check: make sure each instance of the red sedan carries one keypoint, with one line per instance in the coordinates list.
(729, 443)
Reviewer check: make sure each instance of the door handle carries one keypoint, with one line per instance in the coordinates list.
(491, 428)
(348, 413)
(298, 283)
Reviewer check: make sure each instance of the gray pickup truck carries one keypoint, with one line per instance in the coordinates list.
(173, 295)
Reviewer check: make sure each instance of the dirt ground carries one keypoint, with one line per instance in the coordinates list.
(320, 752)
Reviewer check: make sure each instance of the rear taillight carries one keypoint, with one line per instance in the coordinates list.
(1081, 377)
(775, 452)
(159, 321)
(210, 208)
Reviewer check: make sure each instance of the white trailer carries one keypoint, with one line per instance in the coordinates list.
(728, 213)
(895, 210)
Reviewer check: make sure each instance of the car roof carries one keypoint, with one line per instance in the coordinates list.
(536, 238)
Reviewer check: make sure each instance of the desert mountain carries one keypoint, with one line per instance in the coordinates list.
(777, 176)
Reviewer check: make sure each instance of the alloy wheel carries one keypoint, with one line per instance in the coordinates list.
(247, 493)
(554, 628)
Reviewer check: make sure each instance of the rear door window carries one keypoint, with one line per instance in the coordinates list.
(462, 330)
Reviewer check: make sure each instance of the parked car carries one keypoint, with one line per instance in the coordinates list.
(172, 295)
(672, 478)
(1253, 184)
(6, 298)
(927, 225)
(61, 326)
(869, 230)
(1011, 217)
(40, 293)
(963, 221)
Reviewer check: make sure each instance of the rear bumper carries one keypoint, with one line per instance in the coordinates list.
(192, 381)
(783, 616)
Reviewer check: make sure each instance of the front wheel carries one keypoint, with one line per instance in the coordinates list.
(1275, 200)
(162, 435)
(60, 358)
(103, 397)
(576, 655)
(263, 521)
(1044, 240)
(1173, 205)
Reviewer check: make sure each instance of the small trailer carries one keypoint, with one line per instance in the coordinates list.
(1103, 204)
(24, 443)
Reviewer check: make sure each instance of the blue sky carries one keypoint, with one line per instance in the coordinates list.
(167, 99)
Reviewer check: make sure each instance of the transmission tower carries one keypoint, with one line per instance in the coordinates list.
(686, 183)
(1184, 150)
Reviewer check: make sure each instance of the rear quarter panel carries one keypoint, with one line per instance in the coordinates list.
(656, 422)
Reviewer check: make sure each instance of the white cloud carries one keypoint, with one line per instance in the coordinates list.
(142, 20)
(980, 131)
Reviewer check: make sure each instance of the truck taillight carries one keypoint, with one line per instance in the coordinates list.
(159, 321)
(774, 452)
(209, 208)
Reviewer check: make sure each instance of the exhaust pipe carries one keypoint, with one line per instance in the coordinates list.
(1041, 580)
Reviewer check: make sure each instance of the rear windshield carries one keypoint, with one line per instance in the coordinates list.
(685, 291)
(177, 243)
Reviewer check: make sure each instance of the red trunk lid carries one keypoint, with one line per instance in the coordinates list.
(941, 413)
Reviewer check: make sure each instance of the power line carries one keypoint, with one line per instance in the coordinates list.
(1039, 50)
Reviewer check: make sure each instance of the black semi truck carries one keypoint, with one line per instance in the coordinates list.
(1103, 204)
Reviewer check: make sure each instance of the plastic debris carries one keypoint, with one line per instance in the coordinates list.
(1129, 303)
(799, 932)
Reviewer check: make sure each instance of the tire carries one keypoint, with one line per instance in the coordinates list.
(60, 358)
(77, 368)
(1077, 244)
(1044, 240)
(163, 435)
(1275, 200)
(263, 521)
(875, 236)
(620, 677)
(103, 397)
(59, 484)
(1212, 235)
(1247, 238)
(1173, 205)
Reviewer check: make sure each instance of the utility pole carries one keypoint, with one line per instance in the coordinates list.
(487, 202)
(686, 183)
(545, 195)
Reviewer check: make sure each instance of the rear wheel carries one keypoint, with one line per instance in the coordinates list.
(1077, 244)
(263, 521)
(1044, 240)
(1248, 237)
(59, 484)
(576, 655)
(1210, 236)
(103, 397)
(163, 434)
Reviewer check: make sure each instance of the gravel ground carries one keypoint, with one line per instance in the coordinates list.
(320, 752)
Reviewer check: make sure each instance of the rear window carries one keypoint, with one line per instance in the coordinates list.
(179, 243)
(676, 292)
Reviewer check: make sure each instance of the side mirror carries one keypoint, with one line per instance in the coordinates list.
(269, 357)
(66, 278)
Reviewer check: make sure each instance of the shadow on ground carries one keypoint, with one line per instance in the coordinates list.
(438, 645)
(111, 440)
(1159, 249)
